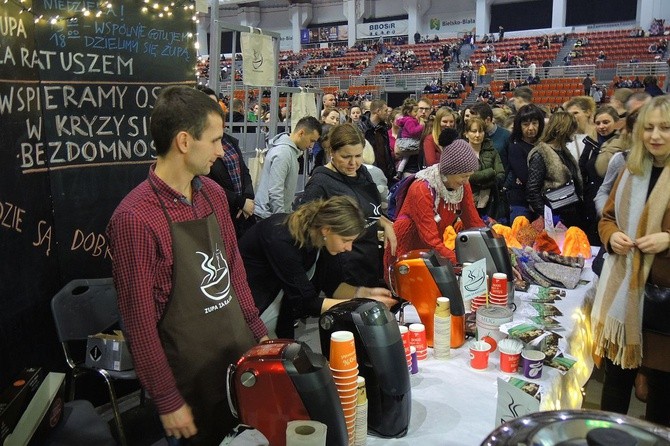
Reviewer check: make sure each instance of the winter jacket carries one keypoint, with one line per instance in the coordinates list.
(220, 174)
(378, 137)
(547, 169)
(417, 226)
(279, 178)
(517, 175)
(362, 265)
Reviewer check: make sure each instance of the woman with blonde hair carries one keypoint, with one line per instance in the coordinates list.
(552, 166)
(444, 118)
(631, 311)
(282, 256)
(345, 174)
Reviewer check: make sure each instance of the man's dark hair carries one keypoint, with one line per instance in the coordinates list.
(310, 124)
(527, 113)
(523, 92)
(376, 105)
(237, 104)
(205, 89)
(177, 109)
(483, 110)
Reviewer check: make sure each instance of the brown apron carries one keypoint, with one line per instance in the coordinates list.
(203, 329)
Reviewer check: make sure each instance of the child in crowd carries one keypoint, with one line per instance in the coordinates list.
(409, 135)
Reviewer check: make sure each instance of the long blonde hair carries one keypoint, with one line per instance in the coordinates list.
(341, 214)
(439, 114)
(639, 154)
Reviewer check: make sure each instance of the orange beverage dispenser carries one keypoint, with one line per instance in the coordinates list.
(420, 277)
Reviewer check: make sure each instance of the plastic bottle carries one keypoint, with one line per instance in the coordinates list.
(442, 327)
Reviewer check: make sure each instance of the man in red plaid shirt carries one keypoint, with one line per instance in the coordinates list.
(186, 307)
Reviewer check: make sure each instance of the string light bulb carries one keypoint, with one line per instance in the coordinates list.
(162, 10)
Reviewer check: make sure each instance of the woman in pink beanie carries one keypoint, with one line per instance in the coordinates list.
(438, 197)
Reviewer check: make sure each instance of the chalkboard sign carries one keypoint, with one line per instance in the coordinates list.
(77, 83)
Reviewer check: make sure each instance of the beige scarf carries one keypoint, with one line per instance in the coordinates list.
(616, 317)
(451, 198)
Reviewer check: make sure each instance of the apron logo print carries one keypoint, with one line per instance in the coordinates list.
(216, 282)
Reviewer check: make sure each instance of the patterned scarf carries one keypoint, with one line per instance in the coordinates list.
(452, 198)
(231, 159)
(616, 317)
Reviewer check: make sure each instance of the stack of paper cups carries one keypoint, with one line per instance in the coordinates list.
(344, 366)
(361, 414)
(417, 339)
(404, 334)
(442, 327)
(479, 301)
(498, 292)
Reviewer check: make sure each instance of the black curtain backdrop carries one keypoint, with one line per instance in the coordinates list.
(520, 16)
(580, 12)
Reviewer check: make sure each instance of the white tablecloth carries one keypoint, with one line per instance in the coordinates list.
(452, 404)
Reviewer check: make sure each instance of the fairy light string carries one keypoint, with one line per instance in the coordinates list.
(159, 9)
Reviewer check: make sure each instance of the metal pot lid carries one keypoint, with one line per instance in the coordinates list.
(571, 427)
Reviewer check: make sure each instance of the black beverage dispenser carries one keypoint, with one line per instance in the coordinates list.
(381, 361)
(484, 243)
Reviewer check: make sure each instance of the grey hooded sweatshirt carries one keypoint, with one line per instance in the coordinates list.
(279, 178)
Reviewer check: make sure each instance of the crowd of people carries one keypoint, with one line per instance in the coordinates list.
(258, 259)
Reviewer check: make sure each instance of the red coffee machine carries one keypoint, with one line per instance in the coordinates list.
(420, 277)
(283, 380)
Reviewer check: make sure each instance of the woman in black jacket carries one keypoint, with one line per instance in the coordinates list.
(606, 119)
(345, 174)
(528, 127)
(284, 259)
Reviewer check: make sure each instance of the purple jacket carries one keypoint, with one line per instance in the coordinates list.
(410, 127)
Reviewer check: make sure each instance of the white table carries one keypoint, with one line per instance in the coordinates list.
(452, 404)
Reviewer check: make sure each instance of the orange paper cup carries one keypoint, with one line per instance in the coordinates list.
(342, 351)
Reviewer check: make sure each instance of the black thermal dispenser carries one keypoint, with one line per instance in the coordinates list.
(381, 361)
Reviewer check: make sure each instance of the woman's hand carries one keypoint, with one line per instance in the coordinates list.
(653, 243)
(380, 295)
(621, 243)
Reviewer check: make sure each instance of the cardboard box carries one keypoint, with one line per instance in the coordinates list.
(42, 414)
(15, 399)
(108, 351)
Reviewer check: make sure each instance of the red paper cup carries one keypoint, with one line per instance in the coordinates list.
(479, 359)
(509, 362)
(499, 284)
(417, 337)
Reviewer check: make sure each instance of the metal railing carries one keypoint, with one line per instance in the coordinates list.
(505, 74)
(405, 81)
(642, 69)
(316, 82)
